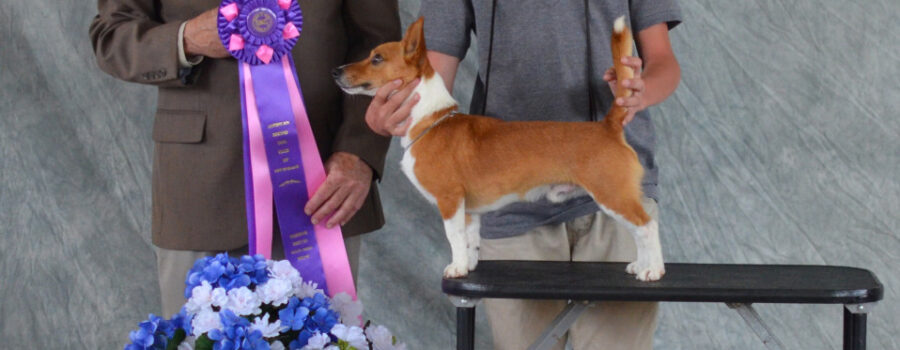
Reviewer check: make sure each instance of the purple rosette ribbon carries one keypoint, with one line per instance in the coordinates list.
(281, 159)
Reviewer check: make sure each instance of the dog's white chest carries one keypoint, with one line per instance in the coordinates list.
(407, 164)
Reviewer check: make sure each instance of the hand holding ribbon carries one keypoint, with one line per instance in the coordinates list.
(344, 191)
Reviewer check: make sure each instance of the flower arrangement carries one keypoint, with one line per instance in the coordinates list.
(251, 303)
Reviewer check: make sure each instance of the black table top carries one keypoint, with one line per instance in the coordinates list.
(683, 282)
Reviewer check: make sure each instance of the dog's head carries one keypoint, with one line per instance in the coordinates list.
(405, 59)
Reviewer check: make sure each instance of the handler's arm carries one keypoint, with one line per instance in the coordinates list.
(132, 43)
(661, 72)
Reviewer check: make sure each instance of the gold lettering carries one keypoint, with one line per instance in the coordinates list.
(281, 142)
(275, 125)
(279, 133)
(280, 170)
(301, 258)
(285, 160)
(298, 234)
(283, 151)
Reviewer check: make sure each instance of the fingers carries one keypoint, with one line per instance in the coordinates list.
(382, 93)
(331, 205)
(636, 84)
(394, 100)
(610, 75)
(633, 102)
(323, 195)
(399, 120)
(390, 108)
(634, 62)
(349, 207)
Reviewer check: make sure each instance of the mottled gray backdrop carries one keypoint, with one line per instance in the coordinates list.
(780, 146)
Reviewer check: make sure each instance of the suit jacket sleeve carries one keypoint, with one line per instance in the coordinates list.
(132, 43)
(368, 24)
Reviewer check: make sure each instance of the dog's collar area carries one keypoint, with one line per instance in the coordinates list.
(422, 134)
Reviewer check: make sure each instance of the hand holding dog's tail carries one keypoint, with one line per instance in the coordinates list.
(622, 44)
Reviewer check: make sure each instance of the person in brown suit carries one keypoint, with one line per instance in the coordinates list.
(198, 185)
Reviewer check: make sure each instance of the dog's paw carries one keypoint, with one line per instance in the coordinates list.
(646, 272)
(455, 271)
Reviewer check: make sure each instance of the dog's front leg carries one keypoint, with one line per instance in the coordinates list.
(473, 239)
(455, 228)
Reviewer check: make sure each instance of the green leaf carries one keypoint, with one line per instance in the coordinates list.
(176, 339)
(203, 343)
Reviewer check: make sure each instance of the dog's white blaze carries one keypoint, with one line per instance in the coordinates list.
(434, 97)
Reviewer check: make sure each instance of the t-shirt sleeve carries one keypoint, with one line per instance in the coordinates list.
(645, 13)
(448, 24)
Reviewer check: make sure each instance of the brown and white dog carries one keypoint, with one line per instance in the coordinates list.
(469, 164)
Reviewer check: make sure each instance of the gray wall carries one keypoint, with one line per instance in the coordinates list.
(780, 146)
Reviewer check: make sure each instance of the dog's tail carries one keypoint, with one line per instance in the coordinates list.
(621, 47)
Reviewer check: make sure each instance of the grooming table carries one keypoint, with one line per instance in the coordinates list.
(739, 286)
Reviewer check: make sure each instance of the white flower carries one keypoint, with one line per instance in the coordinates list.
(219, 297)
(242, 301)
(307, 289)
(275, 291)
(267, 329)
(276, 346)
(284, 270)
(382, 339)
(317, 342)
(201, 298)
(204, 297)
(352, 335)
(349, 309)
(205, 321)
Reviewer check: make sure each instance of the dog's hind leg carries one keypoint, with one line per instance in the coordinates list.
(455, 228)
(620, 198)
(473, 239)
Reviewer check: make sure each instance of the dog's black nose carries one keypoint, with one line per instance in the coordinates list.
(337, 72)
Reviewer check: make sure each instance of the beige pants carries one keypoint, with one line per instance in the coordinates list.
(517, 323)
(173, 266)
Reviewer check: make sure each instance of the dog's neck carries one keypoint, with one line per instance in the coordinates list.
(433, 98)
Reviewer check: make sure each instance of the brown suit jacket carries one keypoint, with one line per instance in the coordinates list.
(198, 190)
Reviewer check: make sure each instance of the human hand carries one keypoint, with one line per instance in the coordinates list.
(635, 103)
(201, 36)
(388, 113)
(346, 186)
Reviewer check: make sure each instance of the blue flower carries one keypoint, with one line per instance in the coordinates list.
(293, 315)
(255, 267)
(233, 333)
(227, 272)
(255, 341)
(149, 335)
(315, 302)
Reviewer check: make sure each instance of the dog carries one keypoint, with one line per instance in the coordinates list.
(468, 165)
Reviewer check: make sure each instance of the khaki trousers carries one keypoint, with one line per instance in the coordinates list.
(516, 323)
(173, 266)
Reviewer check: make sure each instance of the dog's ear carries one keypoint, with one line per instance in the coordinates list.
(414, 41)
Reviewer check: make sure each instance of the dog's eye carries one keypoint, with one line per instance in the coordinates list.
(377, 59)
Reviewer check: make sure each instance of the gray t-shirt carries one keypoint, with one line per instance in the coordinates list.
(539, 72)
